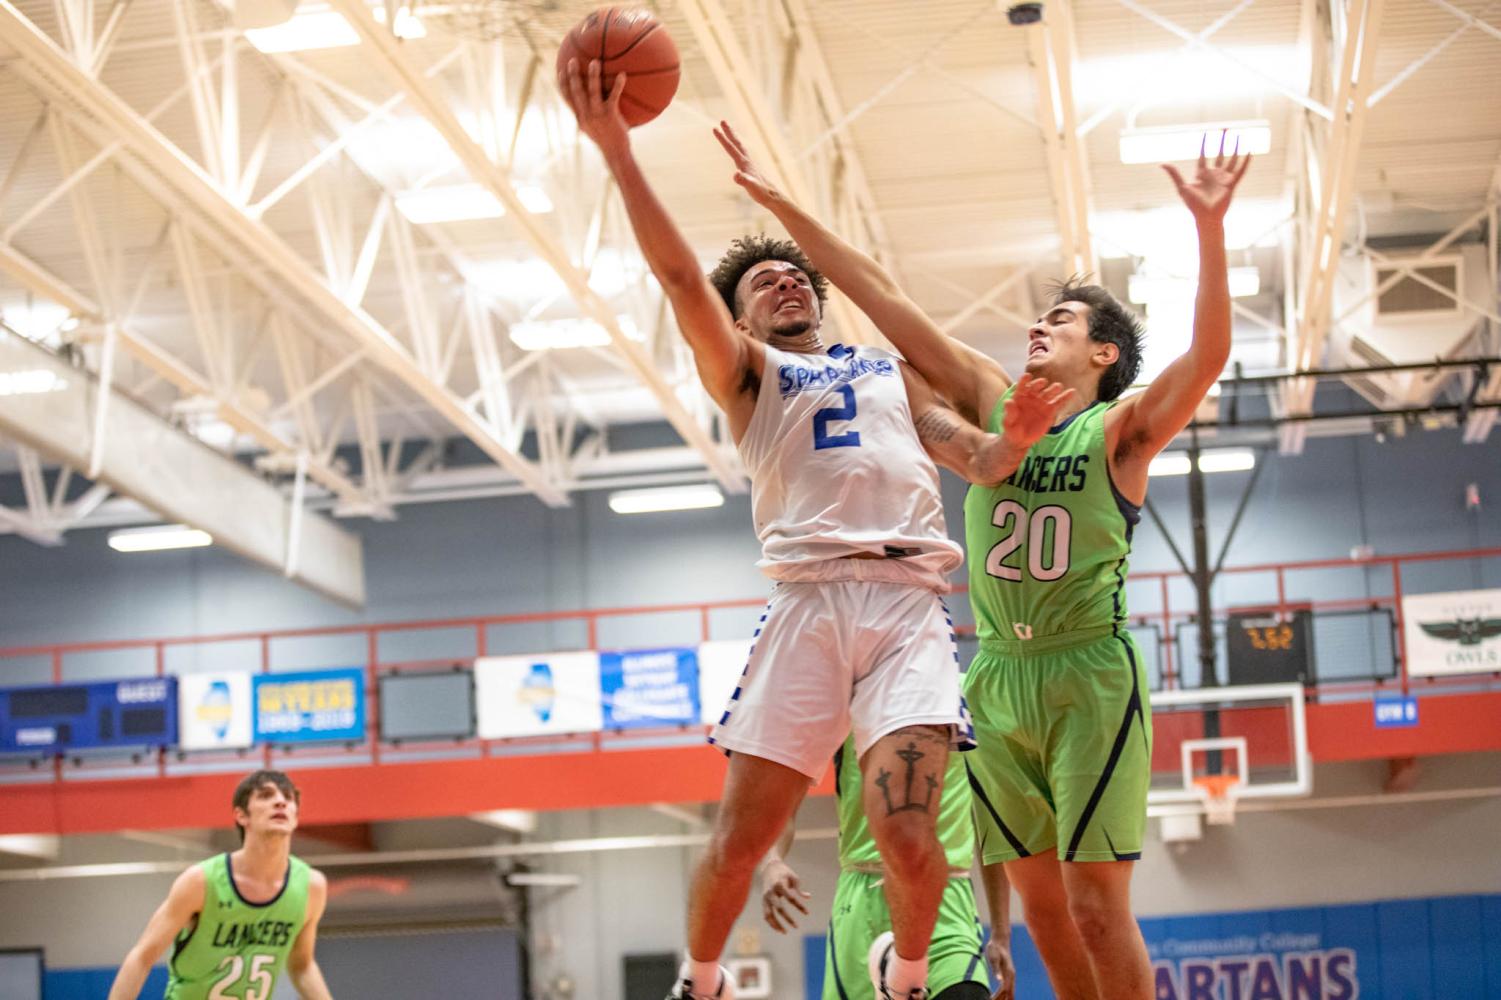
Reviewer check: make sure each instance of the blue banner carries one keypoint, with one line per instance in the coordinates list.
(1415, 949)
(310, 706)
(649, 687)
(137, 712)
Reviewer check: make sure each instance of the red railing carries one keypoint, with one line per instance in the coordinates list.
(1170, 591)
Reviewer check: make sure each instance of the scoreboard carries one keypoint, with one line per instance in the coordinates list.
(139, 712)
(1268, 648)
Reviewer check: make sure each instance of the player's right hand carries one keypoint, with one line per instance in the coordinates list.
(781, 892)
(598, 113)
(998, 955)
(1033, 409)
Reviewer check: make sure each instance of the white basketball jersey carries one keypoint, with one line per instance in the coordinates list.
(837, 469)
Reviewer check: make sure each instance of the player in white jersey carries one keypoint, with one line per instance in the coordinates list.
(846, 503)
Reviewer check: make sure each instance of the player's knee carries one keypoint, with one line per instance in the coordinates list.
(909, 846)
(965, 991)
(1096, 916)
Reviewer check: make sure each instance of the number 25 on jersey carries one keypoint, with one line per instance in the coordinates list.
(1045, 531)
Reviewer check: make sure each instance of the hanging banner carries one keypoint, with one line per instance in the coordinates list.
(544, 694)
(1452, 633)
(214, 711)
(720, 666)
(649, 687)
(310, 706)
(138, 712)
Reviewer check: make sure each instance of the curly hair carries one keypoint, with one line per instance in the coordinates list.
(1109, 323)
(748, 251)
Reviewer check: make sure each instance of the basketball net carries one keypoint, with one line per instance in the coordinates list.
(1218, 793)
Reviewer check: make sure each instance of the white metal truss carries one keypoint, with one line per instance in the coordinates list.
(1326, 196)
(785, 63)
(386, 53)
(1052, 51)
(207, 201)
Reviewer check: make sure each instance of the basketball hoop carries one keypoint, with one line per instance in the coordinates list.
(1218, 793)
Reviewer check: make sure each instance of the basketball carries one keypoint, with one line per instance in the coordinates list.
(632, 41)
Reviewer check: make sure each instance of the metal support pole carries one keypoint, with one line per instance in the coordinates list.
(1202, 575)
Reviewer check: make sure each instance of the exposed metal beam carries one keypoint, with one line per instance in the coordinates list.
(386, 53)
(1334, 194)
(196, 196)
(754, 117)
(1052, 52)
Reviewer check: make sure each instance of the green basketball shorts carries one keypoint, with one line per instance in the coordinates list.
(1064, 727)
(861, 915)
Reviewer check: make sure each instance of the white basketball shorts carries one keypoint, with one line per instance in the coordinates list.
(833, 657)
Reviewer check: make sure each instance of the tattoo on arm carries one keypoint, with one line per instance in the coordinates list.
(937, 425)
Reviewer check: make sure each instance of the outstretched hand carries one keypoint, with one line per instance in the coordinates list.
(598, 113)
(1032, 409)
(747, 174)
(1208, 194)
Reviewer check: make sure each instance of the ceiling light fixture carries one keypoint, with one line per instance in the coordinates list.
(159, 538)
(1175, 463)
(464, 202)
(699, 496)
(562, 334)
(1145, 289)
(319, 27)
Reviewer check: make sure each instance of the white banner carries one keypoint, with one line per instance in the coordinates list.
(1452, 633)
(214, 711)
(537, 695)
(720, 665)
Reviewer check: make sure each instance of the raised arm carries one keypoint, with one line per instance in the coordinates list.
(302, 964)
(978, 456)
(184, 901)
(724, 356)
(1145, 423)
(968, 379)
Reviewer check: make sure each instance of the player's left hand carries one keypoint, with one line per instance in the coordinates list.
(998, 955)
(1208, 194)
(781, 891)
(747, 174)
(598, 113)
(1032, 409)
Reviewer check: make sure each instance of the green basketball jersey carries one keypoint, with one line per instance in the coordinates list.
(857, 848)
(1048, 547)
(236, 949)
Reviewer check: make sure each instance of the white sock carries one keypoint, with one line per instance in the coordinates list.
(903, 975)
(703, 975)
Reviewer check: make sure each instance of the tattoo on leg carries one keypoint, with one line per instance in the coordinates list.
(910, 755)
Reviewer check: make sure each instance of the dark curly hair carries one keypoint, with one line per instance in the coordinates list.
(1109, 323)
(748, 251)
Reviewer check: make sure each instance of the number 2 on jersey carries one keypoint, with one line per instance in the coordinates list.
(821, 436)
(260, 981)
(1013, 519)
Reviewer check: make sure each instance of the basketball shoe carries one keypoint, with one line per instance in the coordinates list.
(684, 990)
(881, 950)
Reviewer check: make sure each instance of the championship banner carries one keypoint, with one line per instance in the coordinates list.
(545, 694)
(1452, 633)
(720, 666)
(126, 713)
(310, 706)
(214, 711)
(649, 687)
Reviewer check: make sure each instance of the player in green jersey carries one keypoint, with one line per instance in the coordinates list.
(1058, 692)
(861, 916)
(236, 919)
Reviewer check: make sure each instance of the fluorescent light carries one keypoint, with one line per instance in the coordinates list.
(1175, 463)
(1168, 76)
(30, 382)
(408, 25)
(309, 29)
(1148, 288)
(695, 497)
(36, 321)
(1182, 142)
(463, 202)
(561, 334)
(159, 537)
(1228, 460)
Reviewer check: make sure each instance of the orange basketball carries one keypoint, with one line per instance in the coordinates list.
(632, 41)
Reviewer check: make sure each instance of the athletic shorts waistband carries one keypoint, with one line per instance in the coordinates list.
(1012, 648)
(879, 870)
